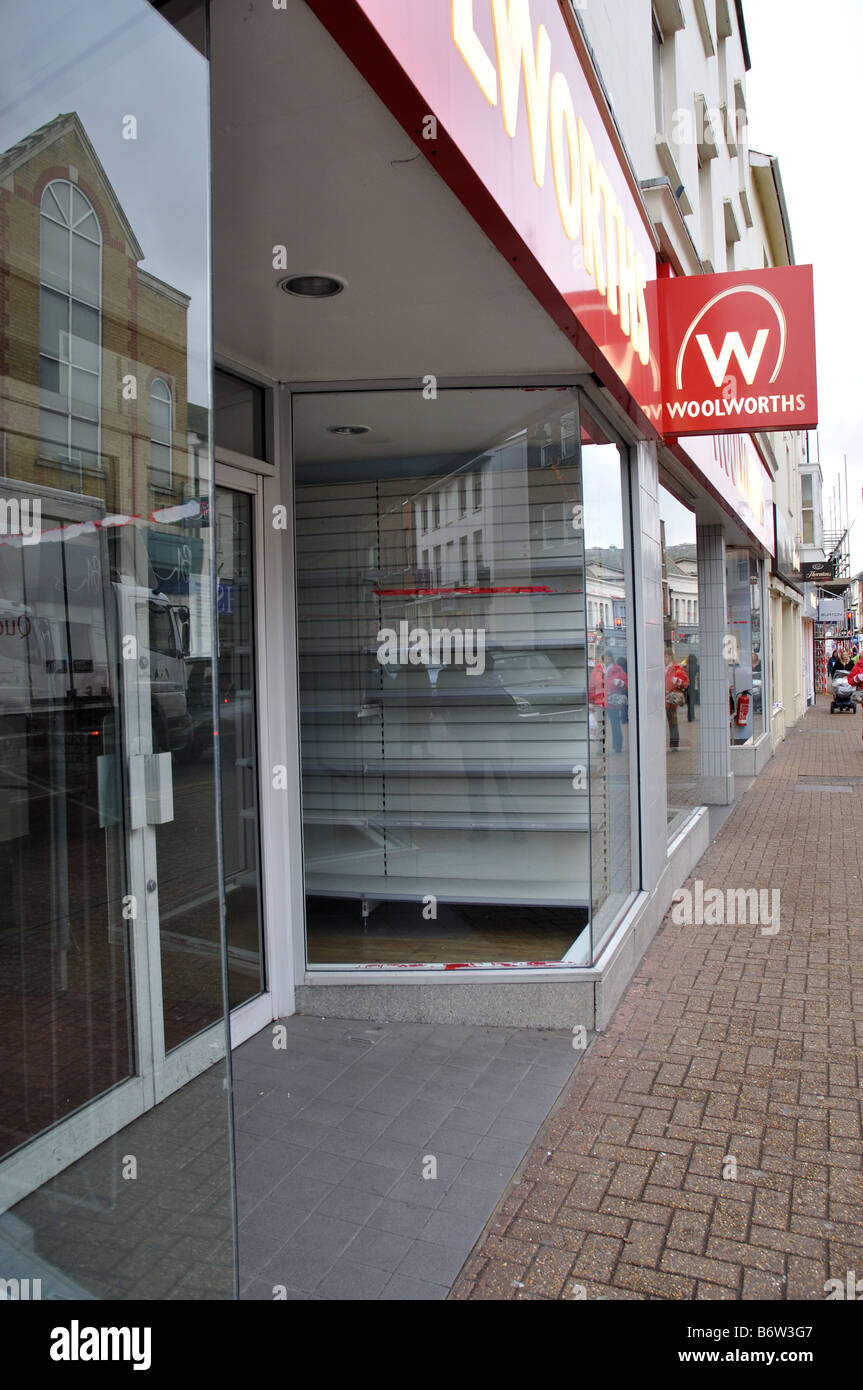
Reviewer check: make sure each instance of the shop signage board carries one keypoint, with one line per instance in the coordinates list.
(831, 610)
(819, 571)
(495, 94)
(738, 351)
(501, 97)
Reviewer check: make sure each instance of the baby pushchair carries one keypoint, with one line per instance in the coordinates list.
(842, 694)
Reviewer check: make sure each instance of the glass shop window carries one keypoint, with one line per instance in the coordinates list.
(682, 651)
(466, 742)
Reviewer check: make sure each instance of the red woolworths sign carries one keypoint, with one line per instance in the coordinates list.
(738, 351)
(495, 95)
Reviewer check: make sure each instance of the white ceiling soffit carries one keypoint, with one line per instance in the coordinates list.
(306, 155)
(403, 424)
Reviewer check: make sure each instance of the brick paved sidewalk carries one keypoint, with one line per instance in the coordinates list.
(728, 1042)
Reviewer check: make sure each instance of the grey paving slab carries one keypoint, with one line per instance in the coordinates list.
(471, 1201)
(390, 1099)
(451, 1227)
(365, 1122)
(324, 1166)
(505, 1127)
(402, 1218)
(414, 1130)
(245, 1144)
(296, 1269)
(437, 1264)
(353, 1145)
(267, 1223)
(278, 1155)
(446, 1088)
(475, 1173)
(392, 1153)
(307, 1133)
(504, 1067)
(297, 1191)
(417, 1191)
(325, 1112)
(475, 1103)
(263, 1122)
(459, 1142)
(493, 1149)
(324, 1236)
(402, 1289)
(348, 1281)
(531, 1111)
(494, 1089)
(474, 1121)
(255, 1180)
(383, 1249)
(336, 1129)
(371, 1177)
(353, 1204)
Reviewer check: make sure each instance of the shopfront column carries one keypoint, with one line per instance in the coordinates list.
(648, 563)
(717, 778)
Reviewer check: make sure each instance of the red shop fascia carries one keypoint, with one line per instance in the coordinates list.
(504, 101)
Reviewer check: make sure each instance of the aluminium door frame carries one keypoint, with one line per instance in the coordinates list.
(236, 473)
(158, 1073)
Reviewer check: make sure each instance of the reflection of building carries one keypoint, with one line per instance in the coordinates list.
(93, 388)
(605, 594)
(680, 596)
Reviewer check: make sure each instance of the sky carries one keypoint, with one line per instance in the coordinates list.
(801, 97)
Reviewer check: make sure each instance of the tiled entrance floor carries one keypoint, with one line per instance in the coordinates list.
(336, 1130)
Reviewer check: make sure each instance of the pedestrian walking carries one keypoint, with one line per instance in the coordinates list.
(855, 680)
(617, 697)
(676, 685)
(597, 698)
(691, 664)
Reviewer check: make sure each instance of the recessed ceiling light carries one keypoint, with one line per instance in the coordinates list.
(348, 429)
(312, 286)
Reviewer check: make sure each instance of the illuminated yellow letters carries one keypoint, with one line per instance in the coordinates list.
(469, 46)
(515, 54)
(564, 156)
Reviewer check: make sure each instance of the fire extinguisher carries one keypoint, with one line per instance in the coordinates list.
(742, 716)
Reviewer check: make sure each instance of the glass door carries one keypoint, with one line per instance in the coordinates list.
(66, 944)
(111, 933)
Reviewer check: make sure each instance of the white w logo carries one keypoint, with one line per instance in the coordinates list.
(733, 347)
(733, 344)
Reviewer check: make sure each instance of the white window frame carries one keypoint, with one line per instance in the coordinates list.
(169, 401)
(70, 228)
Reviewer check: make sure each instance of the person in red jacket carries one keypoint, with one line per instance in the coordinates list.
(616, 695)
(676, 685)
(596, 688)
(597, 696)
(855, 675)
